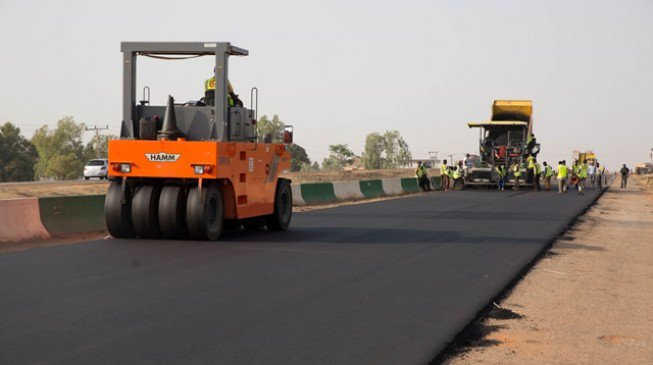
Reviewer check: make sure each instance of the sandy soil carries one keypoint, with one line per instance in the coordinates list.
(58, 188)
(588, 301)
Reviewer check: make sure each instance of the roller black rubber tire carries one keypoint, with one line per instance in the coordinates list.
(204, 219)
(280, 219)
(145, 206)
(117, 215)
(172, 212)
(253, 224)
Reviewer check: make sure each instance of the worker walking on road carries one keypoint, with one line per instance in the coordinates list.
(624, 176)
(444, 175)
(582, 177)
(562, 177)
(548, 173)
(501, 171)
(516, 171)
(591, 172)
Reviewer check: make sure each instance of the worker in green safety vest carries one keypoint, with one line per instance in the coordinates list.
(516, 172)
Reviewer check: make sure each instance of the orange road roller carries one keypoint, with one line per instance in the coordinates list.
(186, 171)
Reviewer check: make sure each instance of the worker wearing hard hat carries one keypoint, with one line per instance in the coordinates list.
(209, 93)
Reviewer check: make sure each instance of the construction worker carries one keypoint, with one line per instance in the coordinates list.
(501, 171)
(444, 175)
(600, 172)
(562, 177)
(209, 93)
(530, 143)
(548, 173)
(624, 176)
(591, 172)
(457, 175)
(575, 169)
(530, 169)
(537, 170)
(516, 171)
(422, 178)
(582, 177)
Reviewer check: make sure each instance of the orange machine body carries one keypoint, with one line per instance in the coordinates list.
(247, 172)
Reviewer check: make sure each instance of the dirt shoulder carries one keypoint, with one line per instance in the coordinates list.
(588, 301)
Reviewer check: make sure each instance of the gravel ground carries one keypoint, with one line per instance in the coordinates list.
(588, 301)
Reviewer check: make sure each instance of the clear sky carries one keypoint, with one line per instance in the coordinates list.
(338, 70)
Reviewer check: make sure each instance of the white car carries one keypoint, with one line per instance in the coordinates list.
(96, 168)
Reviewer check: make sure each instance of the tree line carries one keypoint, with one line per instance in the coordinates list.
(60, 154)
(382, 151)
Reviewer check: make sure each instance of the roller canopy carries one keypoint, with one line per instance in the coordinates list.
(495, 123)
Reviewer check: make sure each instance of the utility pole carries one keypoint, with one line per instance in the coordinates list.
(97, 136)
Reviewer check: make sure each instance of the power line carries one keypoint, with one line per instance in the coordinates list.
(97, 136)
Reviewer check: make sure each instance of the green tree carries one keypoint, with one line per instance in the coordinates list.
(395, 149)
(298, 157)
(61, 151)
(98, 146)
(340, 156)
(17, 155)
(374, 145)
(273, 127)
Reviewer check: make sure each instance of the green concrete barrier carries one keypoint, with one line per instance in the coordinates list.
(409, 185)
(72, 214)
(315, 193)
(436, 182)
(372, 188)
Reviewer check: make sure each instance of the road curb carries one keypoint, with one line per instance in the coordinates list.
(41, 218)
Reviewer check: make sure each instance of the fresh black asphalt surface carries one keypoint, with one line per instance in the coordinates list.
(389, 282)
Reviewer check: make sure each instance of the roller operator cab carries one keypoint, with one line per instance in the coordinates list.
(503, 140)
(188, 170)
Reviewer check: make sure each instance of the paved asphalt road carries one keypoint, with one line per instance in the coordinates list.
(389, 282)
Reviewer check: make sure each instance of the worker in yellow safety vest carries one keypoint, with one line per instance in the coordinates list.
(516, 172)
(582, 176)
(209, 92)
(458, 176)
(548, 173)
(530, 169)
(501, 171)
(422, 177)
(444, 175)
(537, 170)
(562, 176)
